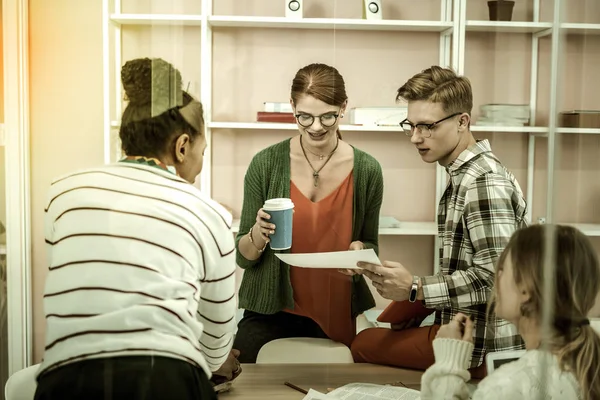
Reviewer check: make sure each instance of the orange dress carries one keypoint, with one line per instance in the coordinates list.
(324, 295)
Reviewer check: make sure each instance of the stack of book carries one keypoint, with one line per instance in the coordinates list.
(378, 116)
(504, 115)
(276, 112)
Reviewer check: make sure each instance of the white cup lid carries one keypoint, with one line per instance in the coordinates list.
(278, 204)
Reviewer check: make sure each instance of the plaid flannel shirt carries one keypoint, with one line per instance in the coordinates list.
(479, 211)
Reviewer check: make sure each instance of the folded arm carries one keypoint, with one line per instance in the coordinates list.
(217, 310)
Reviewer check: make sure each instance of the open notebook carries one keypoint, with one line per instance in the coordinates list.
(365, 391)
(368, 391)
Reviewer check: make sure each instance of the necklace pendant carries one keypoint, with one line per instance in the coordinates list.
(316, 178)
(321, 157)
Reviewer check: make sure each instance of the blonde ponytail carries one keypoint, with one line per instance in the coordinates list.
(581, 356)
(573, 341)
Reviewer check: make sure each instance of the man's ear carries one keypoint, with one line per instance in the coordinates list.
(293, 105)
(463, 120)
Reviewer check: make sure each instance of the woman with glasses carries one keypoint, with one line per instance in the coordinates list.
(337, 192)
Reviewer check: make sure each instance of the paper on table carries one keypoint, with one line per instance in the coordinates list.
(314, 395)
(368, 391)
(335, 259)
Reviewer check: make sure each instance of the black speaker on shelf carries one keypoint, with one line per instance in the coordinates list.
(372, 9)
(293, 8)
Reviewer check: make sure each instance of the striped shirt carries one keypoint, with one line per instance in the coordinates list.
(479, 211)
(140, 263)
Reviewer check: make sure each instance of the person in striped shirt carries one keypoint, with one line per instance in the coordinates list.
(478, 212)
(140, 296)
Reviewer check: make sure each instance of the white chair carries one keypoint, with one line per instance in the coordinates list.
(362, 323)
(21, 385)
(304, 351)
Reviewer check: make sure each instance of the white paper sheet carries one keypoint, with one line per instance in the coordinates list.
(336, 259)
(367, 391)
(314, 395)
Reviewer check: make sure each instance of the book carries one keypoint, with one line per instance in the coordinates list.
(282, 117)
(365, 391)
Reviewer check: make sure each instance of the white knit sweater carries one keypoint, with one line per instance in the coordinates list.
(521, 379)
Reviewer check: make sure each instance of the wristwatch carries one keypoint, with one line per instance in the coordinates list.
(414, 289)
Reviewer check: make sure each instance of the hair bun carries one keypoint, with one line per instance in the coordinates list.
(152, 81)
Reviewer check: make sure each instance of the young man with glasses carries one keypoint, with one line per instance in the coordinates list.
(478, 212)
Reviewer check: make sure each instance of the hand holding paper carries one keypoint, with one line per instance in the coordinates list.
(335, 259)
(356, 245)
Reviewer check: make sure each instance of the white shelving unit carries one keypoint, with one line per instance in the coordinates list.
(293, 127)
(452, 28)
(401, 228)
(542, 28)
(330, 23)
(579, 131)
(156, 19)
(447, 27)
(580, 29)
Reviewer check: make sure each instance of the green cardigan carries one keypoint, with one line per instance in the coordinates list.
(266, 287)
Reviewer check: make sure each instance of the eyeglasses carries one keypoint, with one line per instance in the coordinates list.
(424, 129)
(327, 120)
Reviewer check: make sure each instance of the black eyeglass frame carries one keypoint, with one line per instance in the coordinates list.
(312, 119)
(420, 127)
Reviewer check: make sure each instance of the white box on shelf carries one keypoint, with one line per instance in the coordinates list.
(382, 116)
(270, 106)
(504, 115)
(293, 8)
(372, 9)
(520, 111)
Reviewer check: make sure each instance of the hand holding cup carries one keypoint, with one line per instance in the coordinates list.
(275, 220)
(263, 226)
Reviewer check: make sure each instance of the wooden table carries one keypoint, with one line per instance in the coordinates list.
(265, 381)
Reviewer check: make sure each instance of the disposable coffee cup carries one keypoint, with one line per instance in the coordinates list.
(281, 212)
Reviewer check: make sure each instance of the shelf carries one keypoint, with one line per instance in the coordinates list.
(588, 229)
(581, 29)
(580, 131)
(372, 128)
(156, 19)
(509, 129)
(290, 127)
(328, 23)
(507, 26)
(431, 229)
(401, 228)
(412, 229)
(2, 249)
